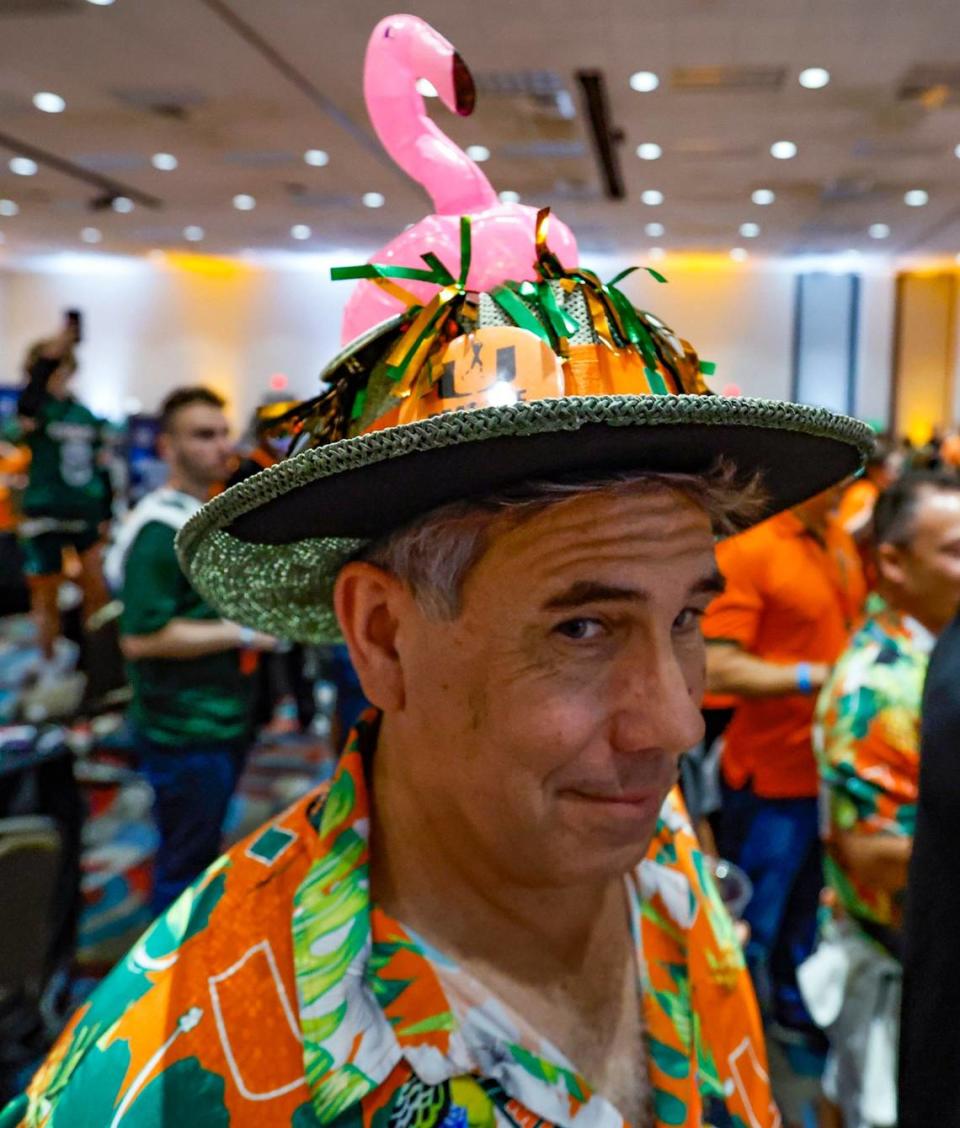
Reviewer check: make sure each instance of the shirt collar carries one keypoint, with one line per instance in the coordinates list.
(369, 996)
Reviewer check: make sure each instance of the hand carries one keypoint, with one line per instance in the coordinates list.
(249, 639)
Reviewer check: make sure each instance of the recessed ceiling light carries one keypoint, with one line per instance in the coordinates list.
(8, 207)
(644, 82)
(763, 196)
(243, 202)
(509, 197)
(654, 230)
(101, 3)
(165, 162)
(783, 150)
(878, 231)
(193, 233)
(317, 157)
(657, 253)
(749, 230)
(122, 204)
(814, 78)
(300, 231)
(373, 199)
(49, 103)
(479, 153)
(91, 234)
(426, 88)
(23, 166)
(916, 197)
(649, 151)
(738, 254)
(652, 197)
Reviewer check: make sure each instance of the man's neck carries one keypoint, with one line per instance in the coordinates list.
(895, 599)
(183, 484)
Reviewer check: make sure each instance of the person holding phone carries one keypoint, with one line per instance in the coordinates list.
(68, 497)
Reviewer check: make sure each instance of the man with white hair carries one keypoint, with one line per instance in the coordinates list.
(497, 914)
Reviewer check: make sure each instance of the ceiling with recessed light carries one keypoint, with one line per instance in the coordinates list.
(234, 124)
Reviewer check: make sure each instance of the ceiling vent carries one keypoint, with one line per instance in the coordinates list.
(321, 199)
(544, 88)
(849, 189)
(745, 79)
(111, 162)
(167, 103)
(39, 7)
(931, 84)
(543, 150)
(895, 149)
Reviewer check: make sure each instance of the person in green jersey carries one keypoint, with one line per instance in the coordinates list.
(68, 498)
(191, 696)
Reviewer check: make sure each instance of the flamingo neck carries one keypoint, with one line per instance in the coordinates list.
(454, 182)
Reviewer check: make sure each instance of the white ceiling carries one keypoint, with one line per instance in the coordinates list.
(287, 78)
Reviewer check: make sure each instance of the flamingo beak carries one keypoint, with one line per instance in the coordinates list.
(464, 90)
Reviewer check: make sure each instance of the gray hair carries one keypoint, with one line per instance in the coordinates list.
(434, 554)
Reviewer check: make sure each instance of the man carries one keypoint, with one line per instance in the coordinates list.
(867, 739)
(492, 917)
(794, 593)
(190, 703)
(929, 1082)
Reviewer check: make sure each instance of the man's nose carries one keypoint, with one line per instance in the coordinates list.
(655, 708)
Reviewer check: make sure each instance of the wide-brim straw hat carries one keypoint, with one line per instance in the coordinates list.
(560, 379)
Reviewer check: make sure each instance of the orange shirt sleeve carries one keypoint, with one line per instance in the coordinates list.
(735, 615)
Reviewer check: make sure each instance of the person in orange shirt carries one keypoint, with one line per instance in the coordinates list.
(795, 590)
(856, 505)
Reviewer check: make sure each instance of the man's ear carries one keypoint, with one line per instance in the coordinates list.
(889, 559)
(367, 601)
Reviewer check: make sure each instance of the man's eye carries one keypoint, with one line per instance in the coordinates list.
(580, 630)
(688, 618)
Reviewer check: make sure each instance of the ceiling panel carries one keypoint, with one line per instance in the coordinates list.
(238, 90)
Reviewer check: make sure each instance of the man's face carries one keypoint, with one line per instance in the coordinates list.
(198, 443)
(551, 714)
(926, 573)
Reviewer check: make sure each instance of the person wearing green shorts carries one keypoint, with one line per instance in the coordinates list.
(67, 500)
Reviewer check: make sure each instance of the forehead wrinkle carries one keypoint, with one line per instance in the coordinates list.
(574, 545)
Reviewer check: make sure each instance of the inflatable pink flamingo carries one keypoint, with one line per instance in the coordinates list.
(402, 49)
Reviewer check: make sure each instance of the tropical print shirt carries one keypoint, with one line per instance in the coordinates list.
(275, 993)
(867, 741)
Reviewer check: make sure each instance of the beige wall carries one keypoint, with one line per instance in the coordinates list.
(153, 325)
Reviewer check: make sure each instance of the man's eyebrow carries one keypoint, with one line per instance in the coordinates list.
(589, 591)
(714, 584)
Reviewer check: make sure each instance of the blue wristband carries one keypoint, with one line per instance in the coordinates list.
(804, 678)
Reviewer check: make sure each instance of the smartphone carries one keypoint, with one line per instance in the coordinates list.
(75, 322)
